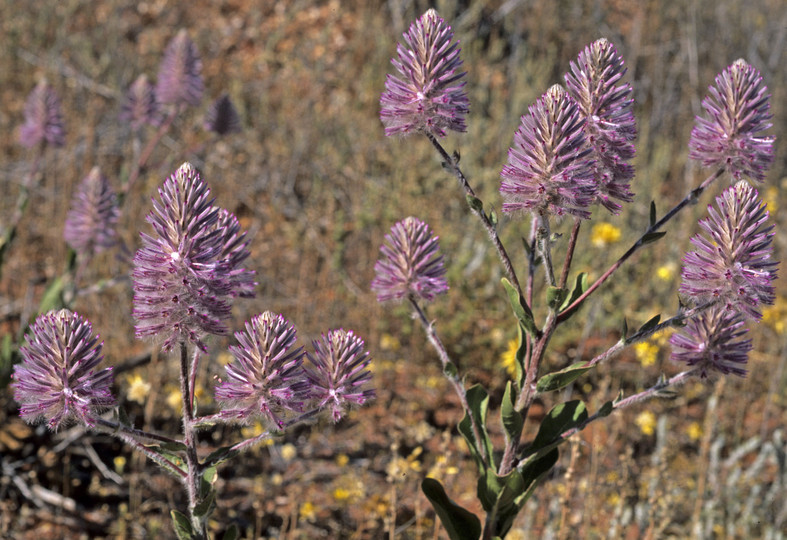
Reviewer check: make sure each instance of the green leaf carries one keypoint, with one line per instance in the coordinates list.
(624, 330)
(493, 218)
(650, 325)
(478, 401)
(562, 378)
(459, 523)
(652, 237)
(231, 533)
(174, 458)
(652, 213)
(510, 417)
(521, 311)
(606, 409)
(449, 370)
(580, 286)
(555, 297)
(560, 419)
(220, 455)
(206, 505)
(475, 203)
(182, 525)
(174, 446)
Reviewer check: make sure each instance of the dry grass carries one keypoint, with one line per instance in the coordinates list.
(318, 185)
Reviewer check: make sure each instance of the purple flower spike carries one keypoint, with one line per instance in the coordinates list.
(57, 380)
(180, 74)
(737, 112)
(90, 224)
(339, 372)
(186, 274)
(43, 118)
(733, 263)
(139, 107)
(549, 170)
(711, 343)
(410, 263)
(609, 128)
(222, 117)
(429, 96)
(267, 376)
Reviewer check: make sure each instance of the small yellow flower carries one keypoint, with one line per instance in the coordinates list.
(288, 452)
(775, 315)
(603, 234)
(666, 272)
(138, 389)
(694, 431)
(307, 512)
(771, 198)
(646, 353)
(509, 358)
(342, 460)
(341, 494)
(646, 421)
(224, 358)
(174, 400)
(253, 430)
(120, 464)
(389, 343)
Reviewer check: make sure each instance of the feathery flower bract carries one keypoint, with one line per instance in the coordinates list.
(180, 73)
(410, 263)
(428, 96)
(609, 121)
(43, 118)
(186, 274)
(140, 107)
(267, 377)
(710, 341)
(733, 262)
(338, 372)
(549, 171)
(222, 117)
(57, 379)
(90, 223)
(737, 112)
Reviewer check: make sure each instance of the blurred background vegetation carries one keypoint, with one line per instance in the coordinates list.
(317, 185)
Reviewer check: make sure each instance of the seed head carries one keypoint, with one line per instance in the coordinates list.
(338, 372)
(410, 263)
(139, 107)
(188, 271)
(730, 135)
(90, 224)
(180, 74)
(549, 171)
(428, 96)
(222, 117)
(733, 262)
(56, 379)
(610, 129)
(43, 118)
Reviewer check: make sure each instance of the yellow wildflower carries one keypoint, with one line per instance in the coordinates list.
(646, 421)
(603, 234)
(138, 389)
(307, 512)
(646, 353)
(342, 460)
(288, 452)
(666, 272)
(509, 357)
(694, 431)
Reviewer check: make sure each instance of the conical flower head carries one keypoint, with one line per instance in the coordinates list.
(267, 377)
(711, 342)
(606, 106)
(410, 263)
(43, 118)
(733, 263)
(429, 96)
(549, 171)
(730, 135)
(91, 221)
(180, 73)
(222, 117)
(338, 373)
(57, 379)
(140, 107)
(187, 272)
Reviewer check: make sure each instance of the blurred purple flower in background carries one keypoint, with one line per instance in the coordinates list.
(711, 342)
(410, 263)
(338, 372)
(186, 274)
(180, 73)
(90, 223)
(549, 170)
(429, 96)
(733, 263)
(222, 117)
(737, 112)
(609, 120)
(56, 379)
(267, 376)
(139, 107)
(43, 118)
